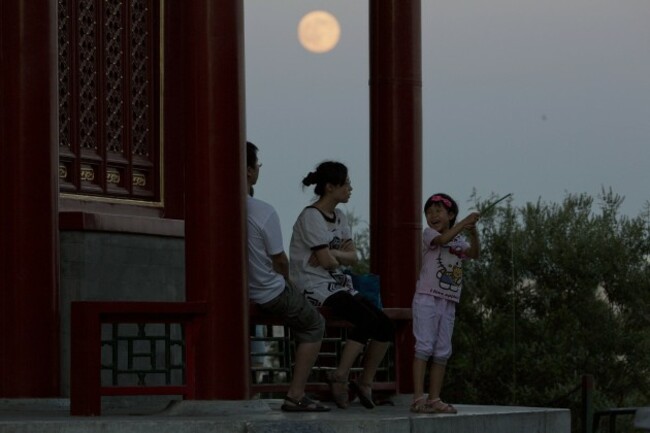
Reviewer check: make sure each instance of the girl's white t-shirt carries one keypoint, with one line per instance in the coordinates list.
(442, 266)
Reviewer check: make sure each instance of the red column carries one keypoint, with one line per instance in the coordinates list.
(29, 321)
(210, 113)
(396, 159)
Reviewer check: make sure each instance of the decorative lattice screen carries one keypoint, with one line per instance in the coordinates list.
(109, 64)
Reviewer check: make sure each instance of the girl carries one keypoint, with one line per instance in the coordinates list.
(436, 295)
(320, 244)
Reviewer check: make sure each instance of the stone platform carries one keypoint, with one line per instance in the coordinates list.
(155, 415)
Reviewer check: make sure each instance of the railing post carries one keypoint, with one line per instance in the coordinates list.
(587, 403)
(85, 362)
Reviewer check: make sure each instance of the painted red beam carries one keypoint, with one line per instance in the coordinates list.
(29, 304)
(396, 159)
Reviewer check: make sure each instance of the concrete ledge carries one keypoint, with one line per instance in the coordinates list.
(144, 225)
(264, 416)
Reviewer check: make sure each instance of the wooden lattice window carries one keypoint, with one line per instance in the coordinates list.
(109, 122)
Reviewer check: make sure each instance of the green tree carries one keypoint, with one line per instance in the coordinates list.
(361, 236)
(561, 290)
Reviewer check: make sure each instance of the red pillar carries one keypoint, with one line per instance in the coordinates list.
(210, 113)
(29, 311)
(396, 160)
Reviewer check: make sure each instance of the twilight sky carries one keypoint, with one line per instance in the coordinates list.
(536, 98)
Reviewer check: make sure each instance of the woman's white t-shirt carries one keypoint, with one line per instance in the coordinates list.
(314, 230)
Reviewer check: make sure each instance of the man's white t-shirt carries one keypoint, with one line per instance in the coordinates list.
(314, 230)
(264, 241)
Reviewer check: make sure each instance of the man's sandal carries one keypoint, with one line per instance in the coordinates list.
(419, 405)
(339, 390)
(440, 406)
(364, 398)
(305, 404)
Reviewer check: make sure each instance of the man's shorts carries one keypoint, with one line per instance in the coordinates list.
(307, 324)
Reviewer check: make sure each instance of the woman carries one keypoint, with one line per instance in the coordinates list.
(321, 244)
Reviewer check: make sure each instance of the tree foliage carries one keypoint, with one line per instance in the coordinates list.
(361, 238)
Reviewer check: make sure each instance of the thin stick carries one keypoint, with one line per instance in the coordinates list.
(495, 203)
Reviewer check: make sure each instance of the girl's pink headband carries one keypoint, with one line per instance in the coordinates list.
(438, 198)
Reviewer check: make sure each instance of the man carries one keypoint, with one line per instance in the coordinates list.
(268, 286)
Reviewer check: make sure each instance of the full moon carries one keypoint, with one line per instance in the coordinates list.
(319, 31)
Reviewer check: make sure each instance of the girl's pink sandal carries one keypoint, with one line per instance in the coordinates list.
(420, 405)
(440, 406)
